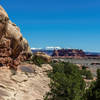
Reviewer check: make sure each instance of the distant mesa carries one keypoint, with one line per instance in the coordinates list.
(70, 53)
(74, 53)
(58, 52)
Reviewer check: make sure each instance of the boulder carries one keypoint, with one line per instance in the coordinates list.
(43, 56)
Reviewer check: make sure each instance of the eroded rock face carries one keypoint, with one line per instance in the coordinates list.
(13, 47)
(30, 82)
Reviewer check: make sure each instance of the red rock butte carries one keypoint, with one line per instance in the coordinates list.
(73, 53)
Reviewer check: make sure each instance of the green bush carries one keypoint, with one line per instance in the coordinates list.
(93, 93)
(66, 82)
(86, 73)
(89, 75)
(38, 60)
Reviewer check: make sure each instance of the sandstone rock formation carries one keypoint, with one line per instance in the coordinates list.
(30, 82)
(43, 56)
(13, 47)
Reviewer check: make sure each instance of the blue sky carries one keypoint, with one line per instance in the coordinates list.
(64, 23)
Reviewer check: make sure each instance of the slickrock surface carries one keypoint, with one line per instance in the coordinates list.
(13, 47)
(30, 82)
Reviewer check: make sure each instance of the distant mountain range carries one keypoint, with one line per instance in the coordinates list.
(50, 51)
(92, 53)
(47, 48)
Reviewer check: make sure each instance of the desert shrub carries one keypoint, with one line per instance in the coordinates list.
(38, 60)
(86, 73)
(89, 75)
(66, 82)
(93, 93)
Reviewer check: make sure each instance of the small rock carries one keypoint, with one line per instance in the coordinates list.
(19, 78)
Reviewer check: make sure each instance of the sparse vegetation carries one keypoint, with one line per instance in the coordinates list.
(93, 93)
(86, 73)
(38, 60)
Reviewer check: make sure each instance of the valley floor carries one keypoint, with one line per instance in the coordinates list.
(92, 64)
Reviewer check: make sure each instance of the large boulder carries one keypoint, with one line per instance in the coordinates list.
(12, 44)
(41, 57)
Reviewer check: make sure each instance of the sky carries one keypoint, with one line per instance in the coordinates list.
(64, 23)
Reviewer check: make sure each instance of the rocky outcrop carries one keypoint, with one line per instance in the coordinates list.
(43, 56)
(30, 82)
(13, 47)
